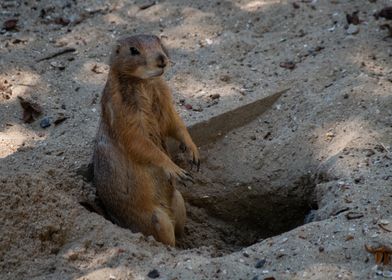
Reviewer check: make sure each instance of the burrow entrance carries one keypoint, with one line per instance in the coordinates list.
(255, 181)
(227, 212)
(241, 218)
(226, 218)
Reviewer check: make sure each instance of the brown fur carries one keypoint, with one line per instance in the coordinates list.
(133, 173)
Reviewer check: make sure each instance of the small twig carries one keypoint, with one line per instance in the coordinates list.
(341, 211)
(25, 85)
(384, 228)
(388, 27)
(60, 52)
(385, 148)
(146, 6)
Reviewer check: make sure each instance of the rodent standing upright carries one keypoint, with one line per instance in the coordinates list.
(133, 173)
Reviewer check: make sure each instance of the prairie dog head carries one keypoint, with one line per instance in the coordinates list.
(139, 56)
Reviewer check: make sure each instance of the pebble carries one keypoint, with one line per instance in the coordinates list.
(358, 180)
(352, 29)
(215, 96)
(197, 108)
(260, 263)
(330, 135)
(73, 256)
(153, 274)
(288, 65)
(45, 122)
(387, 274)
(225, 78)
(369, 152)
(57, 64)
(283, 241)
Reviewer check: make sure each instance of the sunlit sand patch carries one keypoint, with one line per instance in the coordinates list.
(20, 81)
(13, 138)
(320, 271)
(333, 139)
(92, 72)
(113, 273)
(114, 19)
(255, 5)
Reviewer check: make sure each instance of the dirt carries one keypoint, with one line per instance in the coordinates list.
(295, 192)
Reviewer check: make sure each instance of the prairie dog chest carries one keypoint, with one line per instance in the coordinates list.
(153, 106)
(147, 111)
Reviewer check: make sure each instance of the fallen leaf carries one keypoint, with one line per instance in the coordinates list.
(62, 21)
(354, 215)
(388, 27)
(96, 69)
(18, 41)
(31, 110)
(5, 90)
(61, 117)
(385, 13)
(146, 6)
(349, 237)
(382, 253)
(385, 225)
(329, 135)
(288, 65)
(353, 18)
(215, 96)
(10, 24)
(225, 78)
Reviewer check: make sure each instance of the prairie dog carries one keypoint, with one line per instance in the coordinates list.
(133, 173)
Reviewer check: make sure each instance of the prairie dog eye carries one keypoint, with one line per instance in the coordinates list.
(134, 51)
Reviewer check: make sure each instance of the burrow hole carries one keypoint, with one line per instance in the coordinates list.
(225, 214)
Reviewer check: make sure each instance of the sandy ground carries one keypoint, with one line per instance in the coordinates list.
(294, 194)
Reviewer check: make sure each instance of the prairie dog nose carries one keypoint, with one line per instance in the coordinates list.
(161, 61)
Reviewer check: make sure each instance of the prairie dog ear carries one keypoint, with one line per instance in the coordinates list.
(162, 41)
